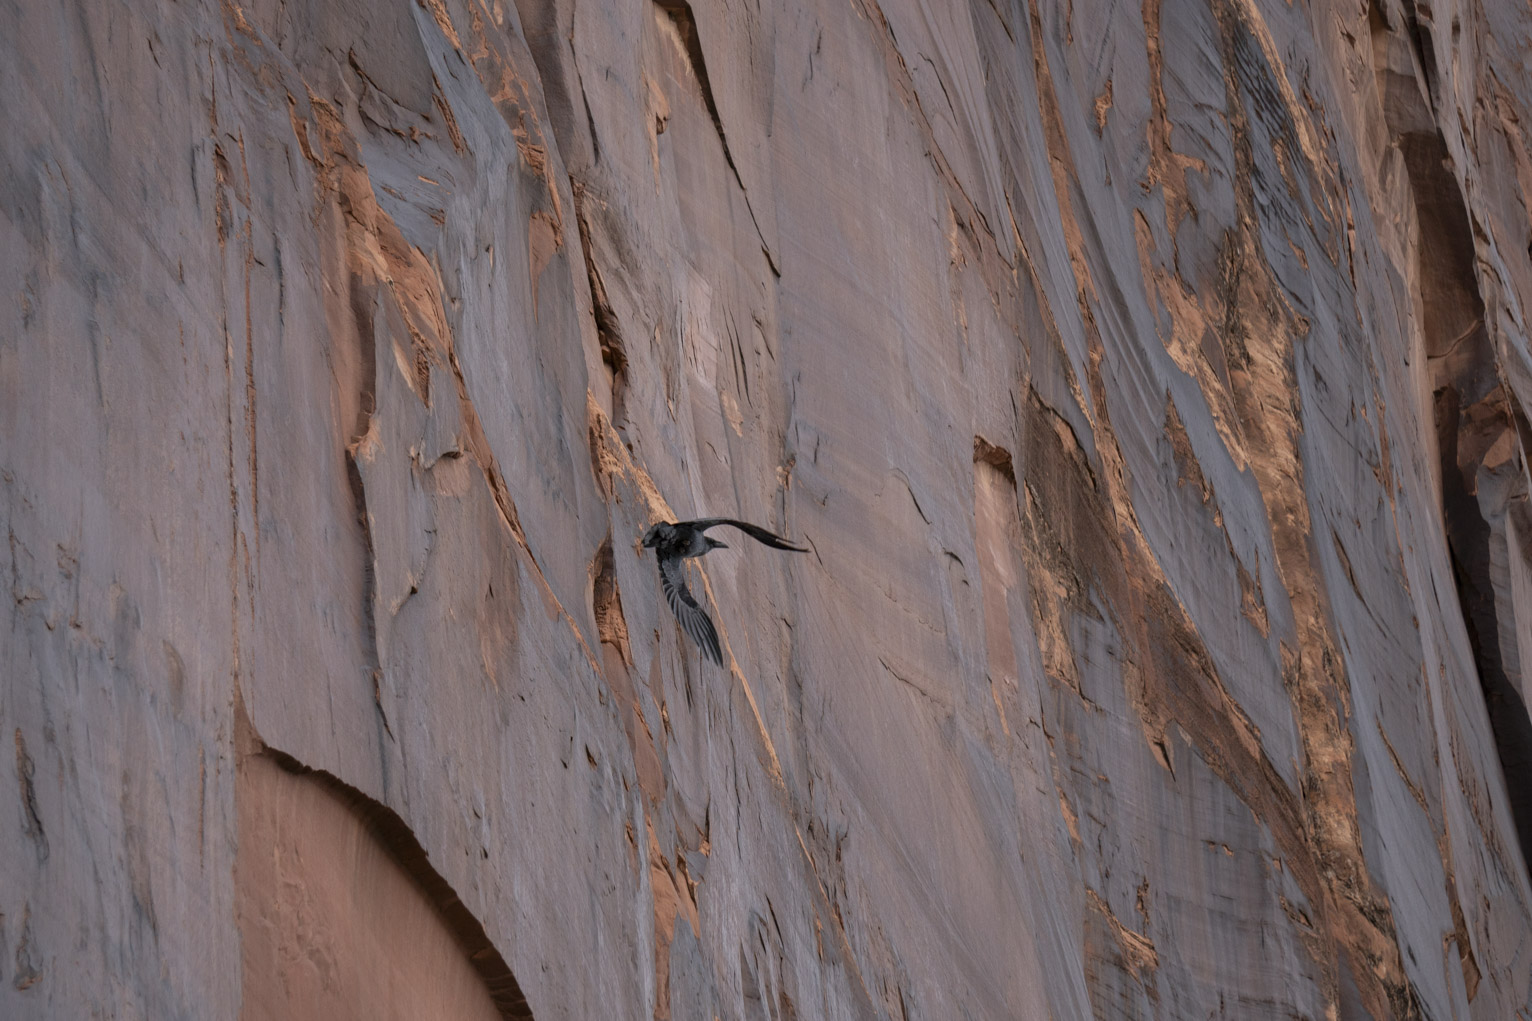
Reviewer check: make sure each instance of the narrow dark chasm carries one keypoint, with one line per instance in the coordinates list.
(1471, 407)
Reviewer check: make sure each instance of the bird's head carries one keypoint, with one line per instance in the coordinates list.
(652, 537)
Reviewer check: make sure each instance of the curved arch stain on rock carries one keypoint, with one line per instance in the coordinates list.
(341, 913)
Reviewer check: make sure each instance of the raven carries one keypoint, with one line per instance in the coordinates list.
(674, 542)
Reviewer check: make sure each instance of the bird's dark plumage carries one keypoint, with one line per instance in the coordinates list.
(692, 618)
(676, 541)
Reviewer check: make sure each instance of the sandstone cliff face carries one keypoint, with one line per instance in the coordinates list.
(1148, 382)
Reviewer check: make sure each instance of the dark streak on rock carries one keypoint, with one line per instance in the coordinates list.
(680, 12)
(590, 120)
(913, 498)
(737, 350)
(362, 314)
(25, 771)
(606, 603)
(614, 353)
(27, 972)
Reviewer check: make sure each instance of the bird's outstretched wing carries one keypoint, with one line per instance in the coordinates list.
(693, 619)
(755, 532)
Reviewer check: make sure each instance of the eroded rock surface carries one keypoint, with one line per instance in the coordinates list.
(1148, 382)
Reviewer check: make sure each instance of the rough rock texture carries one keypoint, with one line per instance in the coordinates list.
(1149, 382)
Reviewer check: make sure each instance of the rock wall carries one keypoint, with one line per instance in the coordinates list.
(1148, 383)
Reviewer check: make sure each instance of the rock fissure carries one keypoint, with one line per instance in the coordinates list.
(1479, 432)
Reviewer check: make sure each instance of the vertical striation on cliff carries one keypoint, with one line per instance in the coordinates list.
(1147, 382)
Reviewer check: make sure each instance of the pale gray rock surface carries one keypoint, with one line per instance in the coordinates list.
(1148, 382)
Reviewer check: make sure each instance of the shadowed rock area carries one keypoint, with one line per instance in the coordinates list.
(1147, 383)
(329, 886)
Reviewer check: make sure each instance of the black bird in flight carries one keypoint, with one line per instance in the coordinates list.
(674, 542)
